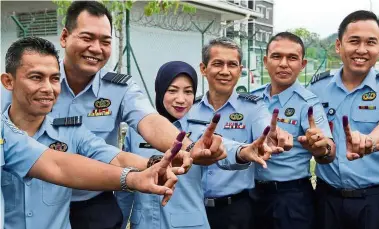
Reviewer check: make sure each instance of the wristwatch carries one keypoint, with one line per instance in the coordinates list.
(327, 155)
(125, 172)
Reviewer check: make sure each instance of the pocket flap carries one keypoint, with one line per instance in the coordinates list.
(188, 219)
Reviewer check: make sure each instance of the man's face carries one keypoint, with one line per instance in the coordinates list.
(359, 48)
(284, 62)
(223, 69)
(36, 85)
(88, 46)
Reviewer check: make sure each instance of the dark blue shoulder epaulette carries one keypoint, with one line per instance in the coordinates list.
(68, 121)
(377, 75)
(198, 99)
(320, 76)
(196, 121)
(117, 78)
(249, 97)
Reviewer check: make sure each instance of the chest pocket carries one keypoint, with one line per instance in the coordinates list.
(365, 116)
(290, 124)
(100, 123)
(8, 186)
(54, 194)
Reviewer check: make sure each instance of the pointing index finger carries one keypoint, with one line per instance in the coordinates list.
(274, 119)
(311, 119)
(211, 128)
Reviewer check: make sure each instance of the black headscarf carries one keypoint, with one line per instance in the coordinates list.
(166, 74)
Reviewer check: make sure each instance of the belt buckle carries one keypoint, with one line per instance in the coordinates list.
(209, 202)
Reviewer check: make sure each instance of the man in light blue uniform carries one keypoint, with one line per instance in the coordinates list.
(283, 194)
(243, 119)
(347, 191)
(104, 99)
(33, 77)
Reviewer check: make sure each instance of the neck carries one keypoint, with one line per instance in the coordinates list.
(24, 121)
(216, 99)
(277, 89)
(352, 81)
(76, 80)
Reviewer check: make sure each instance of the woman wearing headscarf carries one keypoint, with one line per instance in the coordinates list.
(175, 87)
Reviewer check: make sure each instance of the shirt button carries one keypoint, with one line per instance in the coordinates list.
(74, 101)
(29, 214)
(210, 173)
(28, 183)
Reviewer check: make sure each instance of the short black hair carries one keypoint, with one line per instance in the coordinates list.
(27, 44)
(360, 15)
(289, 36)
(223, 42)
(94, 8)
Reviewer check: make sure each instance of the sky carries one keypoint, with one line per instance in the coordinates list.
(319, 16)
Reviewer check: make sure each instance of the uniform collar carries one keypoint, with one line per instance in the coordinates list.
(285, 95)
(94, 83)
(232, 101)
(46, 127)
(369, 81)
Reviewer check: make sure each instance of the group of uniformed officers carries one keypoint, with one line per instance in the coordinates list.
(230, 160)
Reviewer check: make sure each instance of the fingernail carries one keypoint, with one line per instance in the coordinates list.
(267, 129)
(181, 136)
(345, 121)
(276, 111)
(176, 148)
(216, 118)
(310, 111)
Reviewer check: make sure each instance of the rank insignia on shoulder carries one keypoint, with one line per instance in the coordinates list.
(195, 121)
(249, 97)
(320, 76)
(289, 112)
(145, 145)
(236, 116)
(59, 146)
(325, 105)
(117, 78)
(102, 103)
(68, 121)
(369, 96)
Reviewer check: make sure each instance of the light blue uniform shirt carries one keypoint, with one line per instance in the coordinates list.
(361, 106)
(42, 205)
(186, 208)
(18, 154)
(293, 104)
(127, 104)
(241, 120)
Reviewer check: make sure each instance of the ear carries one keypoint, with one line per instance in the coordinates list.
(203, 69)
(63, 37)
(338, 46)
(265, 61)
(304, 63)
(8, 81)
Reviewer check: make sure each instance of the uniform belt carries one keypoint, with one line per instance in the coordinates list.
(347, 193)
(225, 200)
(274, 186)
(102, 197)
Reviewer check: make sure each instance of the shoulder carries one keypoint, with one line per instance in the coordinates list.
(306, 94)
(197, 121)
(115, 78)
(249, 97)
(321, 76)
(7, 124)
(198, 99)
(259, 90)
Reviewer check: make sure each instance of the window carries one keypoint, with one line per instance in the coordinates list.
(268, 37)
(267, 13)
(42, 23)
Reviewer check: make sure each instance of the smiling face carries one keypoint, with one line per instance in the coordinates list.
(36, 84)
(179, 96)
(284, 61)
(88, 45)
(223, 69)
(359, 47)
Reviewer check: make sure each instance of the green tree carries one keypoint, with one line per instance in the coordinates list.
(119, 9)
